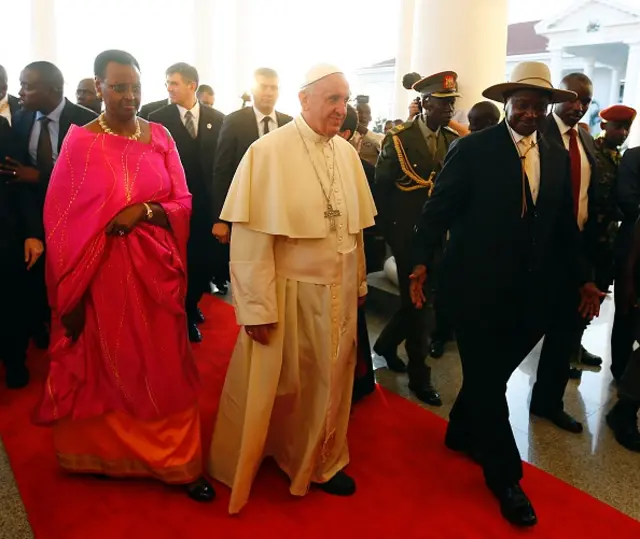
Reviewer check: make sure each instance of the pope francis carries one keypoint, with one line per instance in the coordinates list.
(298, 203)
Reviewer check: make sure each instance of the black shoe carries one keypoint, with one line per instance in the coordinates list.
(201, 490)
(223, 289)
(394, 363)
(339, 485)
(436, 349)
(515, 506)
(426, 393)
(560, 419)
(198, 317)
(17, 377)
(41, 338)
(589, 359)
(575, 374)
(194, 333)
(625, 428)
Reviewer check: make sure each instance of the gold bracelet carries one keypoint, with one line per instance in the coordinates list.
(149, 214)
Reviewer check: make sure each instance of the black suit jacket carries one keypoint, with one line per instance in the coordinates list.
(497, 262)
(72, 114)
(628, 199)
(197, 156)
(14, 105)
(148, 109)
(239, 131)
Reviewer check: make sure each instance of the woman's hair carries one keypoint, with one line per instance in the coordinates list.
(119, 57)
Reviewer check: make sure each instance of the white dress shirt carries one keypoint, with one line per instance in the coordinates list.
(273, 121)
(585, 170)
(528, 147)
(195, 111)
(54, 132)
(5, 109)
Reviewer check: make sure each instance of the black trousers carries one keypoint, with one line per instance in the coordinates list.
(622, 334)
(410, 325)
(15, 328)
(479, 419)
(364, 381)
(39, 311)
(199, 267)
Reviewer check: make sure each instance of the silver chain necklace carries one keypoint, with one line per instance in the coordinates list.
(330, 213)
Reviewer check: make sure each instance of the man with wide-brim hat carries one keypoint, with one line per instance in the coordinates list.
(504, 194)
(412, 154)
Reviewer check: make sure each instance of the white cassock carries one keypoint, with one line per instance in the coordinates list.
(291, 399)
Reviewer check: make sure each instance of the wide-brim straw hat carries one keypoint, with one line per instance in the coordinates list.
(529, 76)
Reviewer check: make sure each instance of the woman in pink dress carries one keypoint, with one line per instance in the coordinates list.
(121, 391)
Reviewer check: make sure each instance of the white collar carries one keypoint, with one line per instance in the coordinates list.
(517, 137)
(195, 111)
(260, 116)
(308, 133)
(563, 127)
(55, 114)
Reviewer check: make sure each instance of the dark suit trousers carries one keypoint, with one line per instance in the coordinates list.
(622, 334)
(40, 313)
(15, 313)
(410, 325)
(199, 270)
(479, 419)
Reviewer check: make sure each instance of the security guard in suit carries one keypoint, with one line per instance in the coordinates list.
(412, 155)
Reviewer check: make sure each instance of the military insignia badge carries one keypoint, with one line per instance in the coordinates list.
(449, 82)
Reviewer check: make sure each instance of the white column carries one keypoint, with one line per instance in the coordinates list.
(589, 67)
(466, 36)
(632, 89)
(43, 30)
(203, 33)
(614, 92)
(555, 65)
(242, 46)
(404, 38)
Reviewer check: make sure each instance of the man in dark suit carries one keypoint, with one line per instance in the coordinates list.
(239, 131)
(9, 105)
(39, 128)
(195, 128)
(411, 157)
(20, 248)
(514, 249)
(562, 342)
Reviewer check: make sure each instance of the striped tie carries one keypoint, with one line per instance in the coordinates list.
(190, 124)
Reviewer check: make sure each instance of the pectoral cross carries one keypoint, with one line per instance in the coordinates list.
(331, 214)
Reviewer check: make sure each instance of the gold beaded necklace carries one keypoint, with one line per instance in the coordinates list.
(105, 127)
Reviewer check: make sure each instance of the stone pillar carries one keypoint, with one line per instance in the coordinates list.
(404, 39)
(632, 89)
(556, 65)
(466, 36)
(242, 45)
(203, 34)
(43, 30)
(614, 91)
(589, 67)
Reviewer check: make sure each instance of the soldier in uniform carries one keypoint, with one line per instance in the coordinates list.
(412, 155)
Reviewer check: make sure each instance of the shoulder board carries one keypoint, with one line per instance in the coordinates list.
(399, 128)
(452, 131)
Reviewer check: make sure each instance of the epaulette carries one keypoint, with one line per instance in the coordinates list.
(397, 129)
(451, 130)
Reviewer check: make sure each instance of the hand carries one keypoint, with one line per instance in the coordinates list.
(416, 287)
(73, 322)
(260, 333)
(33, 250)
(413, 110)
(590, 298)
(126, 220)
(222, 232)
(361, 301)
(19, 172)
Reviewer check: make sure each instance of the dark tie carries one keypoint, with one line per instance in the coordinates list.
(190, 124)
(576, 168)
(44, 155)
(265, 121)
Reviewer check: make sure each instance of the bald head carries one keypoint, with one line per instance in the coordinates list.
(482, 115)
(87, 95)
(572, 112)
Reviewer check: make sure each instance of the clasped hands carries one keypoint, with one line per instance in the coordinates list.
(589, 306)
(19, 173)
(126, 220)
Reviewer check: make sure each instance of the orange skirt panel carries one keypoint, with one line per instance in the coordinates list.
(119, 445)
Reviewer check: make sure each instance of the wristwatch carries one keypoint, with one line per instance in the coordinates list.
(149, 214)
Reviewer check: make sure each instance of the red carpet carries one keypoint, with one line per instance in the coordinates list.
(408, 484)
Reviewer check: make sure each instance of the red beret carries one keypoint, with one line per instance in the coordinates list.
(618, 113)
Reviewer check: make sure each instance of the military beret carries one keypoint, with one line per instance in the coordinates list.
(618, 113)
